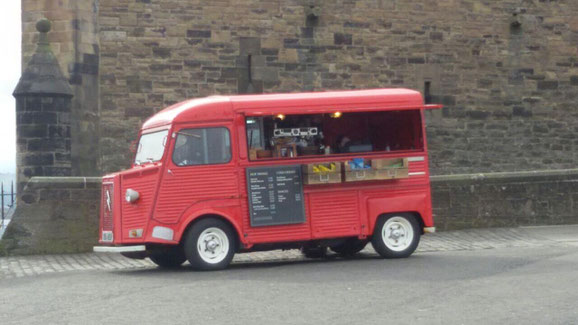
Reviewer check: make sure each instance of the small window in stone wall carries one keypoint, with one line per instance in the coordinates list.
(427, 92)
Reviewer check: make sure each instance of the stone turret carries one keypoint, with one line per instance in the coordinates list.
(43, 108)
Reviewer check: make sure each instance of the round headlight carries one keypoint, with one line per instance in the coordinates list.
(131, 196)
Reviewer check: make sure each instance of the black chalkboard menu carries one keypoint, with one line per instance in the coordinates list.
(275, 195)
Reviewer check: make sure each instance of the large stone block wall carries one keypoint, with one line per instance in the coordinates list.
(60, 214)
(507, 71)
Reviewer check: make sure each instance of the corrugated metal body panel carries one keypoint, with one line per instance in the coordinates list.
(135, 215)
(184, 186)
(406, 194)
(417, 175)
(334, 214)
(334, 211)
(266, 234)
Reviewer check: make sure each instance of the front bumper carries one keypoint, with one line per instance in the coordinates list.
(119, 249)
(429, 230)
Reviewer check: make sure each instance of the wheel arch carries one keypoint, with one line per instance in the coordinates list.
(417, 203)
(416, 214)
(192, 220)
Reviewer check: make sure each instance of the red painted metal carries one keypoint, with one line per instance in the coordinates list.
(172, 196)
(145, 181)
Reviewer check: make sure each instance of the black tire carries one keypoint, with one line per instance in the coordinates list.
(169, 259)
(350, 247)
(135, 255)
(206, 227)
(408, 246)
(314, 252)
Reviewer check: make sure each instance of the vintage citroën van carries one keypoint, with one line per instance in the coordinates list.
(222, 175)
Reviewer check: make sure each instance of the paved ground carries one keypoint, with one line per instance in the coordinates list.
(466, 277)
(16, 267)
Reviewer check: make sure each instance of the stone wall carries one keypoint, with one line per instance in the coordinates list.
(60, 215)
(54, 215)
(43, 128)
(505, 199)
(507, 71)
(75, 42)
(43, 109)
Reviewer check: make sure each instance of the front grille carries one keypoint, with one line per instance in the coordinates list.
(107, 206)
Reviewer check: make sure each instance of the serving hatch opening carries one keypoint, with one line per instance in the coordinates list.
(300, 135)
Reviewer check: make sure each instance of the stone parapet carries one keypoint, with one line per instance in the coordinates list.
(60, 214)
(54, 215)
(531, 198)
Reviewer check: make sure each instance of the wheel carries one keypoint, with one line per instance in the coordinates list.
(350, 247)
(210, 245)
(169, 259)
(314, 252)
(396, 235)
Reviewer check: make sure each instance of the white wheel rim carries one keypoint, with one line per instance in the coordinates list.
(213, 245)
(397, 234)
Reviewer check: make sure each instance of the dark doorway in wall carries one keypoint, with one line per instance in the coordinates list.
(427, 92)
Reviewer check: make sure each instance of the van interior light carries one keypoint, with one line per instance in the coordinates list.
(336, 115)
(280, 116)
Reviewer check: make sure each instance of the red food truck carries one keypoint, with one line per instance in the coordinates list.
(221, 175)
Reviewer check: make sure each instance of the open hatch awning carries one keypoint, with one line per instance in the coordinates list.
(335, 108)
(433, 106)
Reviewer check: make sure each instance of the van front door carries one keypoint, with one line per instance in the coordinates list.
(200, 171)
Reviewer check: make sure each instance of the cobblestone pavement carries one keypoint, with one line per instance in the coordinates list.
(24, 266)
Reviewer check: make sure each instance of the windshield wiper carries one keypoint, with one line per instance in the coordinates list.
(146, 160)
(190, 134)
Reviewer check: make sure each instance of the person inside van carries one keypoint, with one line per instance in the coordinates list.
(346, 145)
(342, 144)
(182, 152)
(188, 148)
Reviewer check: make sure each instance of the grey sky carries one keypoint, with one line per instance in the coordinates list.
(10, 35)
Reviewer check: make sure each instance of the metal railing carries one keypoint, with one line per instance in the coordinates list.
(11, 196)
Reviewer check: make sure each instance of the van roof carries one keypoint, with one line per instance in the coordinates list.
(216, 108)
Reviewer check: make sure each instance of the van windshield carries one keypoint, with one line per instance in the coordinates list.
(151, 147)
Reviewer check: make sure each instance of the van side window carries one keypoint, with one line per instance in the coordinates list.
(205, 146)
